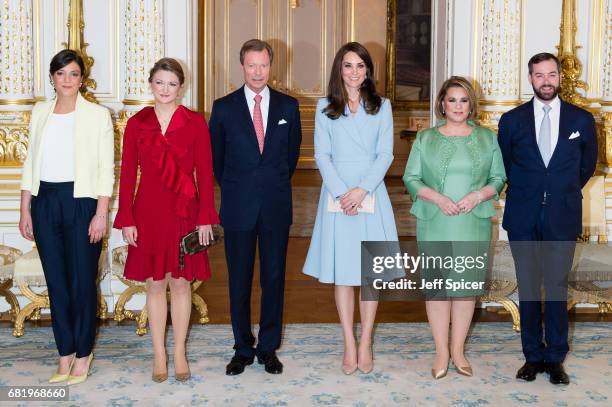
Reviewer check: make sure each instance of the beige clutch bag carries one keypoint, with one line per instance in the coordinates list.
(367, 205)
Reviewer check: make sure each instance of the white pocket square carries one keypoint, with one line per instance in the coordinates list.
(574, 135)
(282, 121)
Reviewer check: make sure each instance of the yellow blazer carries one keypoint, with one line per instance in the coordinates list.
(94, 161)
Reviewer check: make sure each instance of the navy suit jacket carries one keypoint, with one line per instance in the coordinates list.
(253, 183)
(571, 165)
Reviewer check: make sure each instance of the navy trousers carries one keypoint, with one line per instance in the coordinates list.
(543, 259)
(240, 257)
(70, 264)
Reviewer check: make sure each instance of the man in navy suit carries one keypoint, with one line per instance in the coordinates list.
(550, 152)
(256, 135)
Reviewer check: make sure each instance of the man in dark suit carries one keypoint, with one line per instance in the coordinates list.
(256, 135)
(550, 152)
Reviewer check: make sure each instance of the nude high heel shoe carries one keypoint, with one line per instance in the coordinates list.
(439, 374)
(464, 370)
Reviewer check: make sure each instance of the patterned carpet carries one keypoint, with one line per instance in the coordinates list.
(312, 355)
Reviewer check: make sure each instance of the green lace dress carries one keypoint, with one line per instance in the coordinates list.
(467, 164)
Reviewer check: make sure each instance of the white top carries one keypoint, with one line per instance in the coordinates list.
(57, 163)
(554, 114)
(265, 103)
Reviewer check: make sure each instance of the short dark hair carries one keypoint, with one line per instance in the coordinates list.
(255, 45)
(65, 57)
(541, 57)
(168, 65)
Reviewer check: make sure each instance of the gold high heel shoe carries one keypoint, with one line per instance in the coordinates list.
(72, 379)
(439, 374)
(58, 378)
(464, 370)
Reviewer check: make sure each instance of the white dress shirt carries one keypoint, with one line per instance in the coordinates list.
(57, 163)
(264, 106)
(554, 114)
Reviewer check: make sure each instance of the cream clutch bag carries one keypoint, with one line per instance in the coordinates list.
(367, 205)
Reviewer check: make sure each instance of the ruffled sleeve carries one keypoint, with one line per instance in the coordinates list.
(127, 183)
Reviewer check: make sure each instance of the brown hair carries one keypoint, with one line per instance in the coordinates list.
(541, 57)
(255, 45)
(456, 82)
(168, 65)
(336, 92)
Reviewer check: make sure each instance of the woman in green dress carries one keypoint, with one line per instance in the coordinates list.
(453, 173)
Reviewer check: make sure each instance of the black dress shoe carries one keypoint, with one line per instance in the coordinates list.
(556, 373)
(237, 365)
(271, 363)
(529, 371)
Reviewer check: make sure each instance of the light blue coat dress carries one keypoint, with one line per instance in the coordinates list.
(351, 151)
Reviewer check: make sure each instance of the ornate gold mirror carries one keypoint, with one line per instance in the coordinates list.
(409, 53)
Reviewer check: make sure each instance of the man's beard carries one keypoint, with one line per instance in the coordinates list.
(543, 96)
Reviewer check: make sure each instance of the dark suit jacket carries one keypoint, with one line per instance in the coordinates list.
(570, 167)
(253, 183)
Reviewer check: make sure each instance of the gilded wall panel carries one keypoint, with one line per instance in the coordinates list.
(607, 53)
(307, 35)
(236, 22)
(14, 131)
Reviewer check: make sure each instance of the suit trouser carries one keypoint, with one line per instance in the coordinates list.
(240, 257)
(70, 264)
(543, 259)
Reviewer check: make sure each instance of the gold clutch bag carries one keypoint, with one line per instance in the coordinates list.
(190, 244)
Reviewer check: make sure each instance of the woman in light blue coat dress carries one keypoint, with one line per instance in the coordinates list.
(353, 150)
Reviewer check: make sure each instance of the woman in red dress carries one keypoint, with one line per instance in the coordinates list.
(168, 142)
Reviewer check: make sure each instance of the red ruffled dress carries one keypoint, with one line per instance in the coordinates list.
(167, 205)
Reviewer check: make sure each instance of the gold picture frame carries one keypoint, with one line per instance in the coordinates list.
(392, 43)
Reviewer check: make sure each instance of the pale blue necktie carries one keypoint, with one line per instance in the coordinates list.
(544, 140)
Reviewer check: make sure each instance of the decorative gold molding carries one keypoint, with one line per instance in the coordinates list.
(606, 135)
(511, 103)
(16, 102)
(133, 102)
(571, 68)
(76, 41)
(14, 135)
(119, 127)
(499, 48)
(489, 119)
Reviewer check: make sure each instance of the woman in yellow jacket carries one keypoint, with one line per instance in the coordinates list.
(66, 187)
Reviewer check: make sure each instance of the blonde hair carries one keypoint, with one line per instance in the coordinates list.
(456, 82)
